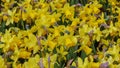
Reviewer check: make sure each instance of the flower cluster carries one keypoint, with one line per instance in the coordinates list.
(59, 34)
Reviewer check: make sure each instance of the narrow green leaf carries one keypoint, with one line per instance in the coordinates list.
(93, 48)
(2, 27)
(83, 55)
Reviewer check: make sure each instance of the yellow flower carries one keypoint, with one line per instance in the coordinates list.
(56, 33)
(9, 16)
(69, 11)
(100, 55)
(98, 34)
(95, 65)
(112, 29)
(53, 59)
(89, 10)
(73, 63)
(48, 61)
(95, 6)
(101, 20)
(85, 41)
(62, 53)
(54, 18)
(51, 44)
(30, 12)
(115, 52)
(6, 38)
(106, 42)
(113, 2)
(2, 63)
(87, 49)
(92, 63)
(70, 41)
(82, 64)
(84, 35)
(75, 22)
(24, 54)
(32, 62)
(19, 65)
(31, 41)
(5, 17)
(84, 30)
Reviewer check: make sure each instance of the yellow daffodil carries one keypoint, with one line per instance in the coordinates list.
(98, 34)
(115, 52)
(33, 62)
(56, 26)
(9, 16)
(2, 63)
(24, 54)
(82, 64)
(75, 22)
(32, 41)
(96, 7)
(6, 39)
(70, 41)
(112, 29)
(51, 44)
(48, 61)
(95, 65)
(87, 49)
(62, 52)
(69, 11)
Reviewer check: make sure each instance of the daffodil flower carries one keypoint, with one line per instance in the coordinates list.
(10, 16)
(32, 62)
(62, 52)
(2, 63)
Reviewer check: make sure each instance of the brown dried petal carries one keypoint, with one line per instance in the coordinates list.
(68, 63)
(41, 63)
(104, 65)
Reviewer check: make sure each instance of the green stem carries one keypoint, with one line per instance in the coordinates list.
(22, 24)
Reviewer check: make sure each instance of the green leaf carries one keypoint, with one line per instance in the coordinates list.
(2, 27)
(84, 2)
(56, 65)
(72, 54)
(83, 55)
(1, 51)
(93, 48)
(71, 2)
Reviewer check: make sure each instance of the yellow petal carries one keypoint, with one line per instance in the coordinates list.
(87, 50)
(95, 65)
(51, 44)
(24, 54)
